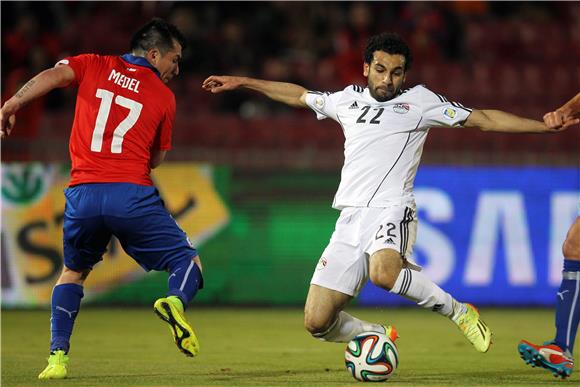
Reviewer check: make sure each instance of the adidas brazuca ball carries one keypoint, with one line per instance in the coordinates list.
(371, 357)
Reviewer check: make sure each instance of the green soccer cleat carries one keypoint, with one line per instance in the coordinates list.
(474, 329)
(548, 356)
(57, 366)
(170, 310)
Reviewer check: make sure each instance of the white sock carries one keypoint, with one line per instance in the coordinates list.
(346, 327)
(416, 287)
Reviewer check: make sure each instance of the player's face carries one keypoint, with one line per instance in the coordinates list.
(168, 64)
(385, 74)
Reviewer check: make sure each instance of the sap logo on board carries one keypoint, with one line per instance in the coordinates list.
(500, 222)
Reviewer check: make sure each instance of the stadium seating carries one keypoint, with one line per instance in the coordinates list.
(525, 64)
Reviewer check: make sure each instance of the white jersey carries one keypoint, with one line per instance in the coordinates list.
(383, 140)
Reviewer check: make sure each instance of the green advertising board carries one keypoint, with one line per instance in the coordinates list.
(279, 224)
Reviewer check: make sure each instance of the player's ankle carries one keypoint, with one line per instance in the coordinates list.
(459, 309)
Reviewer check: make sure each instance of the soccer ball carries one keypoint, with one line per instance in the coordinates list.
(371, 357)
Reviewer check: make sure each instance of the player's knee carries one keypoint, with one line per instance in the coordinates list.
(571, 249)
(69, 276)
(383, 279)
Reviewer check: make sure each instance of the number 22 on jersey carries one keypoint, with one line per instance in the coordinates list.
(103, 115)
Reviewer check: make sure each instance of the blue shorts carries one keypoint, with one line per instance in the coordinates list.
(135, 214)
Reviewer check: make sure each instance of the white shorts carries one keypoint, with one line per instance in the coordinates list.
(360, 232)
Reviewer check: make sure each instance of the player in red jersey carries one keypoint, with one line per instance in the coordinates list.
(122, 128)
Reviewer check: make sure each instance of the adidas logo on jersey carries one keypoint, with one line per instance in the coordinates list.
(353, 106)
(390, 241)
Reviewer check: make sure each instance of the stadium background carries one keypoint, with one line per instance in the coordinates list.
(252, 181)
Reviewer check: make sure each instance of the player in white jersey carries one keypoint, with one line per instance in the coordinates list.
(556, 355)
(384, 129)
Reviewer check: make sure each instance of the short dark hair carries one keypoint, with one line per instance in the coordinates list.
(391, 44)
(157, 33)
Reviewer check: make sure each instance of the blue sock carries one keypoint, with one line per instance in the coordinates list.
(184, 280)
(568, 306)
(66, 301)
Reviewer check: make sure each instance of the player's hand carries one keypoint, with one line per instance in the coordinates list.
(560, 119)
(7, 121)
(218, 83)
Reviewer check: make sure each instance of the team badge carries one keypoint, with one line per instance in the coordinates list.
(401, 108)
(319, 102)
(450, 113)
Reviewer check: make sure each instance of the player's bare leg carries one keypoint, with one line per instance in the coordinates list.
(325, 319)
(388, 270)
(65, 305)
(571, 247)
(556, 355)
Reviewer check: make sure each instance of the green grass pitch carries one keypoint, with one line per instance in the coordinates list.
(267, 347)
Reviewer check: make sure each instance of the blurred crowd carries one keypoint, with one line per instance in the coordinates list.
(518, 56)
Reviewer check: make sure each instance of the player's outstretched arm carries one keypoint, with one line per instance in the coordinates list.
(500, 121)
(59, 76)
(288, 93)
(567, 115)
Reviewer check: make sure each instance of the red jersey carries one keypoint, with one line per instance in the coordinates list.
(123, 112)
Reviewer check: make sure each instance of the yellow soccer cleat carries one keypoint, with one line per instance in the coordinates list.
(170, 310)
(474, 329)
(57, 366)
